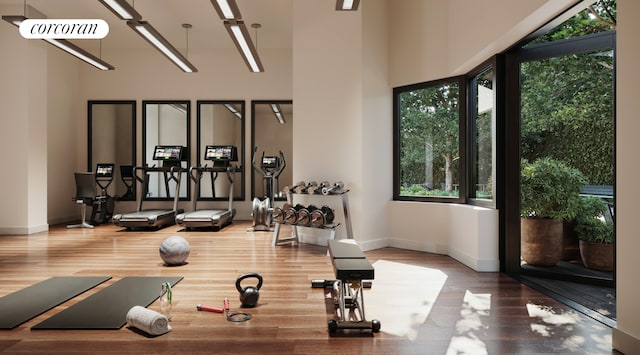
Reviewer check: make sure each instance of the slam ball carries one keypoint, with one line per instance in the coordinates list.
(174, 250)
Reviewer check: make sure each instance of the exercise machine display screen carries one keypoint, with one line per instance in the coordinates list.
(164, 152)
(221, 153)
(270, 162)
(104, 170)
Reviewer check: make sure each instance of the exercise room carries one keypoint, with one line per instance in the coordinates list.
(326, 176)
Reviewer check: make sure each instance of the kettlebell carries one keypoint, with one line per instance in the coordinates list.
(249, 295)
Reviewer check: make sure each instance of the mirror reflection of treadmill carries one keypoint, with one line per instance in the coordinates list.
(221, 158)
(169, 158)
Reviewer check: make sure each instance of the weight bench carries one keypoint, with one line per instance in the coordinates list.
(351, 269)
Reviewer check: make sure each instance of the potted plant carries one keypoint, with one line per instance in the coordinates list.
(595, 234)
(550, 191)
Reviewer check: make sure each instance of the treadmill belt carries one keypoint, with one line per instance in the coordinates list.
(107, 309)
(23, 305)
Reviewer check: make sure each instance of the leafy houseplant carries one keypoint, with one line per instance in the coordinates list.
(596, 235)
(550, 192)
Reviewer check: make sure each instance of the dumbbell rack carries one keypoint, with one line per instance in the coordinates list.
(344, 197)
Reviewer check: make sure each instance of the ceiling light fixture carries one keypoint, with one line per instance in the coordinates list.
(347, 5)
(122, 9)
(278, 112)
(66, 46)
(147, 31)
(233, 110)
(241, 38)
(227, 9)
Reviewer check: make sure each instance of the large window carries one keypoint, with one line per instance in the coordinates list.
(429, 121)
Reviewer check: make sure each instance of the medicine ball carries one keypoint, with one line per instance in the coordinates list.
(174, 250)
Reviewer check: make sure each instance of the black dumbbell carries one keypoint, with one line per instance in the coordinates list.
(322, 216)
(291, 214)
(304, 215)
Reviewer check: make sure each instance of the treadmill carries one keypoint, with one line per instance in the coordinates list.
(170, 159)
(221, 156)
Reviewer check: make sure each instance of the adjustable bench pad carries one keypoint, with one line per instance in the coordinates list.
(353, 269)
(344, 250)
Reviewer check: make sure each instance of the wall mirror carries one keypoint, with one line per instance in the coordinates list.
(165, 123)
(112, 140)
(271, 132)
(221, 123)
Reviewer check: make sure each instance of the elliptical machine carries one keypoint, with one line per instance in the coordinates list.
(103, 209)
(270, 168)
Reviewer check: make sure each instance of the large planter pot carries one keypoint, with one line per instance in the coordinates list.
(541, 241)
(597, 256)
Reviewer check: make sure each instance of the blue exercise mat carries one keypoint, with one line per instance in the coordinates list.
(23, 305)
(107, 309)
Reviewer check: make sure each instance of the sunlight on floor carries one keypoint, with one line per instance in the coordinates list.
(402, 296)
(473, 309)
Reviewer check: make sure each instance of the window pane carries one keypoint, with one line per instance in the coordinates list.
(429, 138)
(484, 135)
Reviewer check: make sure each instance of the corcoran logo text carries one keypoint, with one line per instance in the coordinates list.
(64, 29)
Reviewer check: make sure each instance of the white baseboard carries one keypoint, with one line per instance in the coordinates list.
(624, 342)
(24, 230)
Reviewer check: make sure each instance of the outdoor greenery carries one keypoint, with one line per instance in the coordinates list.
(549, 189)
(566, 113)
(590, 224)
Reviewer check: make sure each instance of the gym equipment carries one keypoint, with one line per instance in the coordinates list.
(171, 158)
(318, 189)
(85, 195)
(174, 250)
(103, 207)
(128, 179)
(29, 302)
(322, 283)
(289, 189)
(278, 213)
(235, 316)
(107, 308)
(221, 156)
(323, 216)
(270, 168)
(351, 268)
(249, 295)
(337, 188)
(303, 189)
(304, 215)
(291, 213)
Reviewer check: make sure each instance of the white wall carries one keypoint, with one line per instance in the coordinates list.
(23, 133)
(626, 335)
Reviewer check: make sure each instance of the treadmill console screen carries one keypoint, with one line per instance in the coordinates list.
(166, 152)
(104, 170)
(221, 153)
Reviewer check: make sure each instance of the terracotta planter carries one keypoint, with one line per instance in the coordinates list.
(597, 256)
(541, 241)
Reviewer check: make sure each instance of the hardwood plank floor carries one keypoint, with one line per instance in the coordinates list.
(427, 304)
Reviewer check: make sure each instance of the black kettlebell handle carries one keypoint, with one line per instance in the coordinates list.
(246, 276)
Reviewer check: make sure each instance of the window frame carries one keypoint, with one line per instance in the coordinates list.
(461, 80)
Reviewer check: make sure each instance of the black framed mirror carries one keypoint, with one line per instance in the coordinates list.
(271, 133)
(166, 122)
(221, 123)
(112, 140)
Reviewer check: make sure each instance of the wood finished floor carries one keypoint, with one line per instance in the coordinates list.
(427, 304)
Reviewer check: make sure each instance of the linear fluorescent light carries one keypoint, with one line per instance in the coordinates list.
(154, 37)
(241, 38)
(122, 9)
(227, 9)
(278, 112)
(66, 46)
(233, 110)
(347, 5)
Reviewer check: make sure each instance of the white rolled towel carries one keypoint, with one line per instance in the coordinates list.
(147, 320)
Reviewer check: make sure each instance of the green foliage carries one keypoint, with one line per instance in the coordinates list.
(421, 191)
(590, 225)
(549, 189)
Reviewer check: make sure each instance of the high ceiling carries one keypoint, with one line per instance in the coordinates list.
(167, 17)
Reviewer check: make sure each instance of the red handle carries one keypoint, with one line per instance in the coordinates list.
(226, 304)
(209, 309)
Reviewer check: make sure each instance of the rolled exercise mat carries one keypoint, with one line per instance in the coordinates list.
(147, 320)
(23, 305)
(107, 309)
